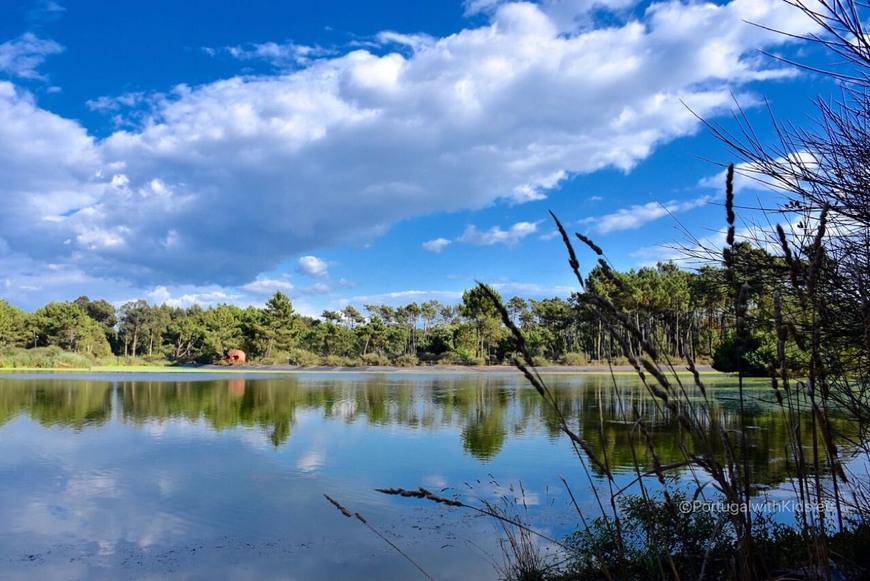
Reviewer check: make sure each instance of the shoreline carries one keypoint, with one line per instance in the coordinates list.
(296, 369)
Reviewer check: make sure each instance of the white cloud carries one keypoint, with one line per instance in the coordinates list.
(227, 179)
(436, 245)
(749, 176)
(312, 266)
(637, 215)
(531, 289)
(652, 255)
(268, 286)
(162, 296)
(496, 235)
(415, 42)
(127, 100)
(49, 167)
(281, 55)
(45, 11)
(22, 56)
(398, 298)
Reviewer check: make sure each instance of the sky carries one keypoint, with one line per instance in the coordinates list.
(370, 152)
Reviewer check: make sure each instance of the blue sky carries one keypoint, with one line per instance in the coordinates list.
(368, 152)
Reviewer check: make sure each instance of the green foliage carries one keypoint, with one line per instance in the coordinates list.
(280, 324)
(574, 359)
(43, 358)
(223, 331)
(13, 325)
(484, 319)
(337, 361)
(739, 354)
(466, 357)
(406, 360)
(679, 312)
(303, 358)
(652, 536)
(66, 325)
(375, 359)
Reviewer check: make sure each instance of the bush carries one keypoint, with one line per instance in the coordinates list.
(116, 361)
(279, 358)
(573, 359)
(377, 359)
(303, 358)
(539, 361)
(43, 358)
(450, 358)
(655, 535)
(337, 361)
(407, 360)
(732, 351)
(466, 357)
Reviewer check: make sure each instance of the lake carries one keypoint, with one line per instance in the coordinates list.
(211, 475)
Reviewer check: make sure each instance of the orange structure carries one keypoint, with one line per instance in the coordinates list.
(235, 356)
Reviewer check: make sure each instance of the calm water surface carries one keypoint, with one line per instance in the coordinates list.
(224, 476)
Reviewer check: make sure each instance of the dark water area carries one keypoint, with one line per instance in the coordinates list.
(223, 476)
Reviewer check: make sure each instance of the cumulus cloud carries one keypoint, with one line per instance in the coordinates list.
(22, 56)
(637, 215)
(415, 42)
(225, 180)
(749, 176)
(496, 235)
(269, 286)
(312, 266)
(163, 296)
(45, 11)
(278, 54)
(436, 245)
(398, 298)
(568, 15)
(531, 289)
(113, 104)
(50, 169)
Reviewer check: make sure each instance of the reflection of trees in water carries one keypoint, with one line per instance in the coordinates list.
(608, 420)
(486, 410)
(56, 403)
(223, 404)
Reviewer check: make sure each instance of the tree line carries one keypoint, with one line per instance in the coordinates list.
(684, 313)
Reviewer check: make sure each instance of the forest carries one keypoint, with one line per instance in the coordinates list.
(686, 313)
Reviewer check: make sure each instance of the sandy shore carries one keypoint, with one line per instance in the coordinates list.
(420, 369)
(458, 369)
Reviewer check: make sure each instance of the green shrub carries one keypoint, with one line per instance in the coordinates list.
(407, 360)
(376, 359)
(278, 358)
(656, 536)
(756, 354)
(466, 357)
(539, 361)
(450, 358)
(303, 358)
(43, 358)
(573, 359)
(337, 361)
(71, 361)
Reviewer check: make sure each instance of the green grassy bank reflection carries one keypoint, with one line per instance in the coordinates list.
(485, 410)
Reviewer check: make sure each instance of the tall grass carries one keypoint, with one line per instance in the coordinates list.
(43, 358)
(648, 529)
(54, 357)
